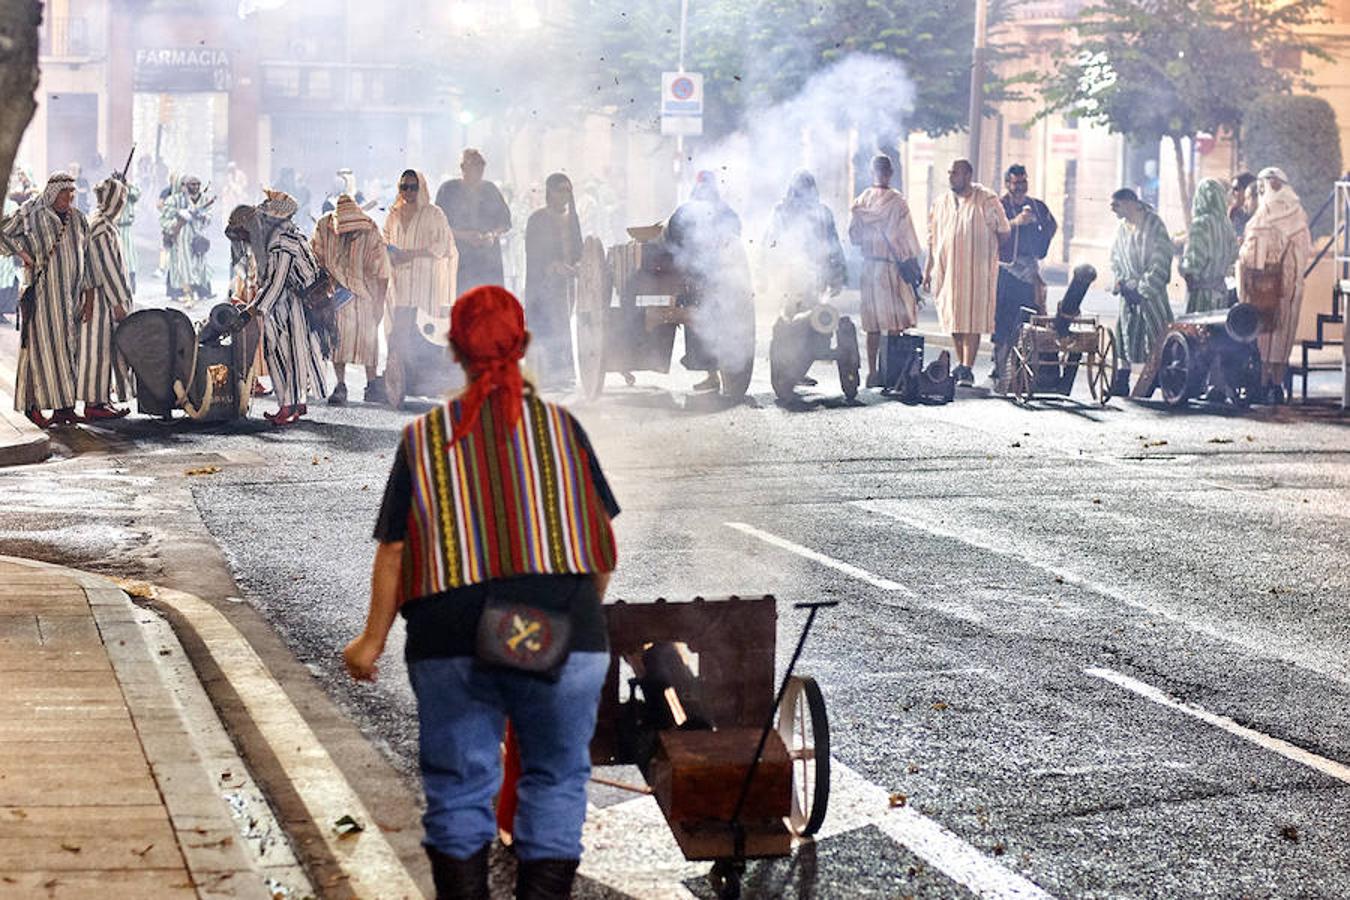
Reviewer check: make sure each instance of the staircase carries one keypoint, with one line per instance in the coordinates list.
(1339, 201)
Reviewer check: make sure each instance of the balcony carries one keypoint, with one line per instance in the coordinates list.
(71, 38)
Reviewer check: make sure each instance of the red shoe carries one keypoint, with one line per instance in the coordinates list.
(66, 416)
(284, 416)
(35, 416)
(94, 411)
(259, 390)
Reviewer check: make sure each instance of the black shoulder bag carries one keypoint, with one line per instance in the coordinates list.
(523, 637)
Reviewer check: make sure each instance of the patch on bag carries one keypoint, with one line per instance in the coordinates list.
(524, 634)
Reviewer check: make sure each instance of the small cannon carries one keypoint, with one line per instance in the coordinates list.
(1050, 349)
(1211, 355)
(739, 771)
(419, 362)
(805, 337)
(904, 375)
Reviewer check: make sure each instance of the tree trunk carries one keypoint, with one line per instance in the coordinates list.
(19, 22)
(1182, 182)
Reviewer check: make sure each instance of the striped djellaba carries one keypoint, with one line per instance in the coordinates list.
(1141, 258)
(503, 501)
(97, 362)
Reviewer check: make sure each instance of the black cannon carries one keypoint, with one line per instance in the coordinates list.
(208, 373)
(904, 375)
(1209, 355)
(819, 333)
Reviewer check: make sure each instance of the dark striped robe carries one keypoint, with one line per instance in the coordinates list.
(105, 274)
(1142, 259)
(294, 359)
(46, 373)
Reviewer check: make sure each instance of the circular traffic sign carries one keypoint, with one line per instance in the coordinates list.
(682, 87)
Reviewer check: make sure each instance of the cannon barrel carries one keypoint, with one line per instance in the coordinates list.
(821, 318)
(1072, 302)
(672, 690)
(223, 321)
(1239, 323)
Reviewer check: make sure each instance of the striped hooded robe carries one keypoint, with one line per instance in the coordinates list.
(124, 225)
(1277, 234)
(46, 369)
(883, 229)
(286, 267)
(348, 244)
(1211, 249)
(1141, 258)
(187, 270)
(963, 244)
(97, 362)
(427, 283)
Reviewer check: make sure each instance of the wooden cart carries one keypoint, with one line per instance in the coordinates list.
(1049, 352)
(631, 300)
(740, 770)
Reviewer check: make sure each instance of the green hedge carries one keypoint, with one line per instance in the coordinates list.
(1298, 134)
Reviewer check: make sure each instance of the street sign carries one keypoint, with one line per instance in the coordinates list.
(682, 103)
(1065, 143)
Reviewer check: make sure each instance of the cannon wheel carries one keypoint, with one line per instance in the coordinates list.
(849, 359)
(1024, 375)
(594, 288)
(1102, 366)
(395, 381)
(1177, 375)
(1244, 385)
(805, 731)
(782, 371)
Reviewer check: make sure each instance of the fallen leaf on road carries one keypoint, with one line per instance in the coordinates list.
(1156, 444)
(1220, 441)
(133, 588)
(70, 848)
(939, 705)
(203, 470)
(1017, 443)
(898, 800)
(1097, 501)
(999, 849)
(141, 853)
(1250, 439)
(346, 826)
(1289, 833)
(1059, 579)
(913, 769)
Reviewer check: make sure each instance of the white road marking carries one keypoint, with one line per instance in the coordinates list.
(1289, 751)
(852, 571)
(629, 847)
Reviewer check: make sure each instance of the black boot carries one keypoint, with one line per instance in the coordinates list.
(460, 879)
(545, 879)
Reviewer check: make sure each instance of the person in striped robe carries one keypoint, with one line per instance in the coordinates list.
(286, 267)
(1141, 261)
(124, 228)
(50, 236)
(1277, 235)
(966, 227)
(1211, 249)
(184, 220)
(349, 246)
(107, 300)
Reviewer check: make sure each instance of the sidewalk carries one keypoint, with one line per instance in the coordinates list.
(116, 779)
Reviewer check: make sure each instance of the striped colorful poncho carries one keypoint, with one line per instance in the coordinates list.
(502, 501)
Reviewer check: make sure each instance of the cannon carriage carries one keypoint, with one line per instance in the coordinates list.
(1210, 356)
(807, 336)
(633, 297)
(1050, 349)
(740, 770)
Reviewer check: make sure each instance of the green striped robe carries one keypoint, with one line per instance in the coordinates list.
(1141, 258)
(1211, 249)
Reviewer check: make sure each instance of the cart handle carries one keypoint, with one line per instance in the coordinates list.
(738, 833)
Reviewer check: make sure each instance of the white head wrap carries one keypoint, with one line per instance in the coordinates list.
(1273, 172)
(56, 183)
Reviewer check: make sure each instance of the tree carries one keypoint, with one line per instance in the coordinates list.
(1299, 135)
(757, 53)
(19, 23)
(1154, 69)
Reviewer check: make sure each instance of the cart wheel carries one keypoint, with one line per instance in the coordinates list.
(1024, 370)
(1245, 381)
(1177, 374)
(849, 359)
(735, 383)
(806, 732)
(1102, 366)
(395, 382)
(782, 370)
(595, 288)
(725, 879)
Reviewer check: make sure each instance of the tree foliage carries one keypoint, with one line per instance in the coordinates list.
(1299, 135)
(1151, 69)
(755, 53)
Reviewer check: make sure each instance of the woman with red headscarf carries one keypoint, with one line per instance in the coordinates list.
(495, 545)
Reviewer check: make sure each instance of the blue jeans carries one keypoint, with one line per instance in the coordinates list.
(463, 710)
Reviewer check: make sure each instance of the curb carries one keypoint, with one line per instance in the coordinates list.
(366, 862)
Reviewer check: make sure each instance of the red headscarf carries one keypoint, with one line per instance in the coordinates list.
(487, 330)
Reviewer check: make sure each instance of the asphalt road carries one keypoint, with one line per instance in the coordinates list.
(1022, 591)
